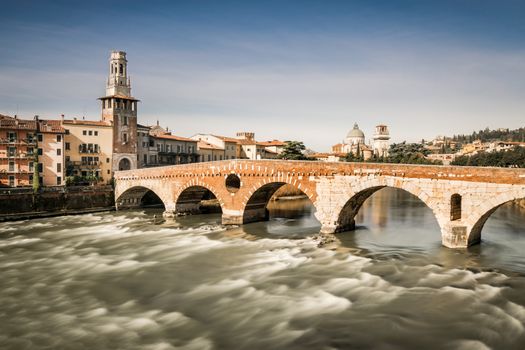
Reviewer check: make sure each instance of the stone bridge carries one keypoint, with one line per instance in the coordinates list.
(462, 198)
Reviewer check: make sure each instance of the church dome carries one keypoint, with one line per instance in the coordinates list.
(355, 132)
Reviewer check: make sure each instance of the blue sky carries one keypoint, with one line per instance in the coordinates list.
(303, 70)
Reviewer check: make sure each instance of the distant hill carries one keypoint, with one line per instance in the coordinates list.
(517, 135)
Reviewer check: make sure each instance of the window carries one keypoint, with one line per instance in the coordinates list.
(209, 157)
(40, 167)
(59, 138)
(121, 69)
(59, 167)
(125, 120)
(109, 172)
(11, 181)
(11, 152)
(145, 159)
(96, 133)
(84, 132)
(68, 158)
(11, 136)
(125, 137)
(11, 166)
(31, 166)
(107, 160)
(90, 133)
(68, 146)
(220, 157)
(455, 207)
(40, 151)
(39, 138)
(59, 180)
(67, 131)
(59, 152)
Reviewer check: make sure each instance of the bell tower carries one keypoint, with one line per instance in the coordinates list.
(120, 109)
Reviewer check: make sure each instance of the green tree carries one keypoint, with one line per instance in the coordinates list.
(293, 150)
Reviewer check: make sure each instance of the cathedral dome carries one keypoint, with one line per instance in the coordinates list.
(355, 132)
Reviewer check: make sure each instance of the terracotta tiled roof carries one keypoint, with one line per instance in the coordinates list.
(272, 143)
(173, 137)
(270, 151)
(86, 122)
(206, 145)
(7, 122)
(227, 139)
(51, 126)
(246, 142)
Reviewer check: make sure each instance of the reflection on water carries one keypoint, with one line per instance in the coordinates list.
(129, 280)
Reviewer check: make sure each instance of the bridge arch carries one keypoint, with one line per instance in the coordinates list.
(346, 210)
(133, 197)
(257, 198)
(480, 215)
(188, 197)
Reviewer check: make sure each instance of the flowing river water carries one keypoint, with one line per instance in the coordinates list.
(129, 280)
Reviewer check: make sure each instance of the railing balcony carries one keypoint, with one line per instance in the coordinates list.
(88, 151)
(91, 163)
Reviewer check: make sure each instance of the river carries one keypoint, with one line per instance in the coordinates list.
(130, 280)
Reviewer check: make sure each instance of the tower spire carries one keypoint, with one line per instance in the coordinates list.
(118, 82)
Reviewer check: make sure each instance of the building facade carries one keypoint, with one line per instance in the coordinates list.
(89, 149)
(29, 144)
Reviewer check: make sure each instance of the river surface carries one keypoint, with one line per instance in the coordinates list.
(130, 280)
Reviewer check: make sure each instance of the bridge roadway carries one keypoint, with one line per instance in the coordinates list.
(462, 198)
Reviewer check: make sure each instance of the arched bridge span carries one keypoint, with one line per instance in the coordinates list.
(461, 198)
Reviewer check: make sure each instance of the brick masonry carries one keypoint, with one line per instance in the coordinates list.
(337, 190)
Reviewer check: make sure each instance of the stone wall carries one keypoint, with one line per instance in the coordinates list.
(23, 201)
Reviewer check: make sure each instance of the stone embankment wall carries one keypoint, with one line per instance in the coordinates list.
(16, 202)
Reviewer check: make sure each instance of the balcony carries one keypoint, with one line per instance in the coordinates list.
(14, 141)
(89, 151)
(91, 163)
(17, 155)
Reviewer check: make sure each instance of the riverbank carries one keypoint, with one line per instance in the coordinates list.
(41, 215)
(22, 203)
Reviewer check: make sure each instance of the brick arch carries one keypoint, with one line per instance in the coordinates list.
(131, 196)
(198, 183)
(479, 216)
(256, 197)
(346, 210)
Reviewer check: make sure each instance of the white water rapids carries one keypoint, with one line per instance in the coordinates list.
(129, 281)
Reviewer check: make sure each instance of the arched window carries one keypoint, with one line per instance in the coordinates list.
(455, 207)
(121, 69)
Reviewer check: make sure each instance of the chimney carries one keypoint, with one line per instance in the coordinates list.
(62, 117)
(36, 117)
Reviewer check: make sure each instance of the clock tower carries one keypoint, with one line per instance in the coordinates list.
(120, 109)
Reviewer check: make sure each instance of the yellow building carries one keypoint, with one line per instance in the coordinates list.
(88, 149)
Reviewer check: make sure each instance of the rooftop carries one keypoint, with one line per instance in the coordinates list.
(206, 145)
(86, 122)
(173, 137)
